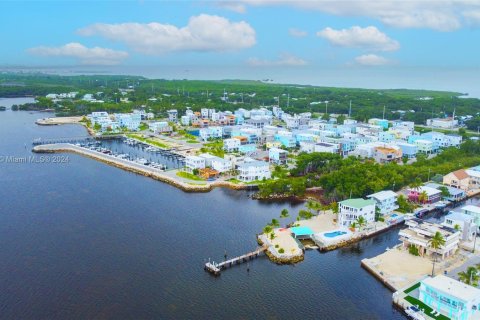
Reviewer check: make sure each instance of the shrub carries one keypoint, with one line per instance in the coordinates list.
(281, 250)
(413, 250)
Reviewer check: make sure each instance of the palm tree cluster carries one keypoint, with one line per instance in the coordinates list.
(470, 276)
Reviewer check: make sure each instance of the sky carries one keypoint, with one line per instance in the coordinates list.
(360, 43)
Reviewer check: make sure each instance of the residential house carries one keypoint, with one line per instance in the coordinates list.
(387, 154)
(455, 194)
(350, 210)
(420, 232)
(461, 222)
(194, 163)
(432, 195)
(277, 156)
(444, 123)
(231, 145)
(458, 179)
(408, 150)
(253, 171)
(451, 298)
(386, 201)
(172, 115)
(473, 211)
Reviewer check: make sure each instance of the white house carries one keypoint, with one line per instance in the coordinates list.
(442, 123)
(277, 156)
(386, 201)
(254, 170)
(221, 165)
(231, 145)
(462, 222)
(310, 147)
(172, 115)
(473, 211)
(159, 127)
(350, 210)
(194, 162)
(450, 297)
(211, 133)
(419, 233)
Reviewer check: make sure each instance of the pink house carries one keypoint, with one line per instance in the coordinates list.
(433, 195)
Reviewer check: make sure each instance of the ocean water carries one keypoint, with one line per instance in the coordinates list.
(83, 240)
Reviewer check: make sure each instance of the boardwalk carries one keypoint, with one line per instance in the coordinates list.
(216, 268)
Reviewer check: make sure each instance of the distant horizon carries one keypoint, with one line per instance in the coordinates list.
(461, 80)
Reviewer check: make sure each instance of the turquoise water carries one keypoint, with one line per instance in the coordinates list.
(334, 234)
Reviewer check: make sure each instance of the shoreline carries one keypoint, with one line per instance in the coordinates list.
(137, 168)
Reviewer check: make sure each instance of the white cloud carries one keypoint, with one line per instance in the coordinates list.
(92, 56)
(369, 38)
(372, 60)
(438, 15)
(284, 60)
(202, 33)
(297, 33)
(234, 6)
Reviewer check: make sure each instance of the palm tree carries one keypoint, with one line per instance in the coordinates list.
(416, 184)
(353, 225)
(284, 213)
(423, 197)
(361, 222)
(275, 223)
(435, 243)
(267, 229)
(470, 276)
(313, 206)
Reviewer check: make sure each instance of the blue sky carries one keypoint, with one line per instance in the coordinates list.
(242, 39)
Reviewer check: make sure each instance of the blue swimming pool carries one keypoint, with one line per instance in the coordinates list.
(334, 234)
(394, 215)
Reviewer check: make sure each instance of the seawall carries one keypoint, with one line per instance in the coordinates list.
(136, 168)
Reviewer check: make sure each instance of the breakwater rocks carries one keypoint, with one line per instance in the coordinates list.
(137, 168)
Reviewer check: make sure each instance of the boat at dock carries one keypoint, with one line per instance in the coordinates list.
(414, 313)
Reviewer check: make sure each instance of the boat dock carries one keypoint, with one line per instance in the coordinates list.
(216, 268)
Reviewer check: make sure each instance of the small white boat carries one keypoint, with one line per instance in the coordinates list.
(414, 313)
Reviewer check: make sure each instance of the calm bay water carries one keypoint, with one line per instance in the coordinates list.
(86, 240)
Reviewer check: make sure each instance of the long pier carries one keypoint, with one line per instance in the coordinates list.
(216, 268)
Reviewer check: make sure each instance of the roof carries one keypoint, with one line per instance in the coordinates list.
(471, 208)
(460, 174)
(301, 231)
(383, 195)
(458, 216)
(473, 173)
(357, 203)
(429, 191)
(254, 164)
(452, 190)
(453, 287)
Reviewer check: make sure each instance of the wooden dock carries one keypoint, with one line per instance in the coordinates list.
(215, 268)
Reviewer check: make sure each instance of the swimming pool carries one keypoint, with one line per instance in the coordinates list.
(334, 234)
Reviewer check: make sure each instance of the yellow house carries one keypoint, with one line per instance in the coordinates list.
(458, 179)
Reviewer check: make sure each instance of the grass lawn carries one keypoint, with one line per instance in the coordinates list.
(233, 180)
(426, 309)
(187, 175)
(192, 141)
(149, 141)
(415, 286)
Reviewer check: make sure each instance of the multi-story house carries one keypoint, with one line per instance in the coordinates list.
(419, 233)
(350, 210)
(450, 298)
(253, 171)
(385, 201)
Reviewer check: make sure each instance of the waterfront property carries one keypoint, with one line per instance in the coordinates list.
(450, 297)
(420, 232)
(350, 210)
(432, 195)
(454, 194)
(461, 222)
(253, 171)
(194, 163)
(473, 211)
(385, 201)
